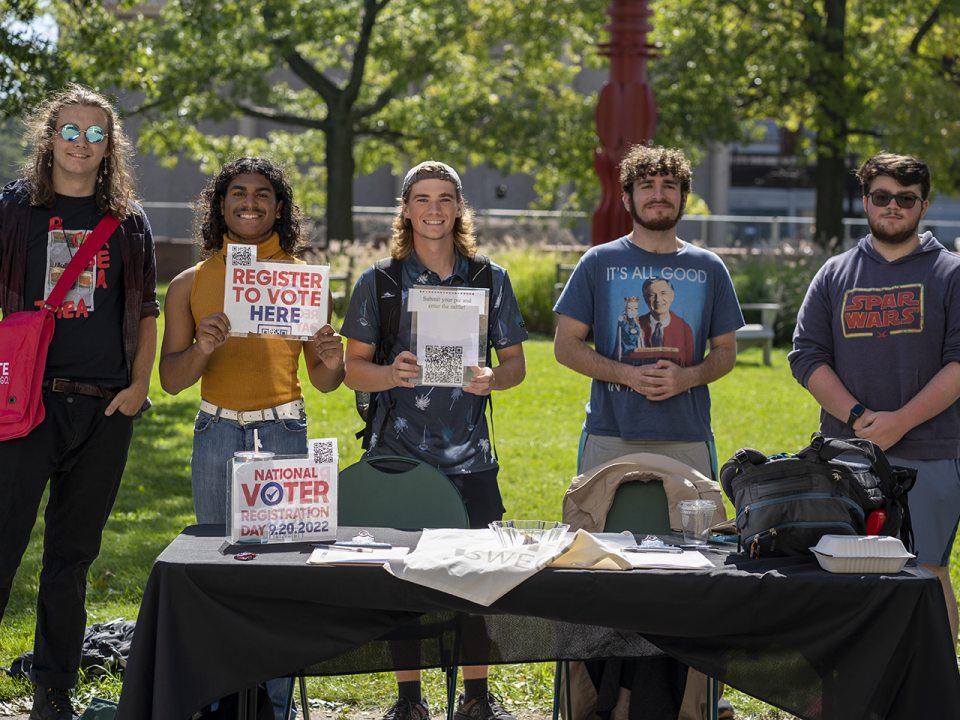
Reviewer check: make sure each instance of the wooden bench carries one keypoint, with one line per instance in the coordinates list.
(563, 272)
(340, 287)
(762, 333)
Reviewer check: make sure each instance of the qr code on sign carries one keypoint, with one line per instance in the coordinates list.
(241, 256)
(323, 452)
(443, 365)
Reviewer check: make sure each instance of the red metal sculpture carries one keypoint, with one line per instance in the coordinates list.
(626, 111)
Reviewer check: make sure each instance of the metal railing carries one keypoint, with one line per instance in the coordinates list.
(750, 232)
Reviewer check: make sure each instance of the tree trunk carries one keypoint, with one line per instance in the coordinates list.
(832, 103)
(831, 183)
(340, 169)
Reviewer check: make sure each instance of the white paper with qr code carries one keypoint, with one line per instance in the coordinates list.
(449, 329)
(284, 498)
(284, 299)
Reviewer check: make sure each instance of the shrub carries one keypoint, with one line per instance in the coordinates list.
(533, 274)
(778, 278)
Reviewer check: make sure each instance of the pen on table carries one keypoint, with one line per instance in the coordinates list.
(665, 549)
(347, 549)
(377, 545)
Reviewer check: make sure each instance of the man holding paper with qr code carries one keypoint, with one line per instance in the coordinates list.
(247, 384)
(442, 424)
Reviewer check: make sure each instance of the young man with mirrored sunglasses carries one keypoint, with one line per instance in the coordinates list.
(97, 370)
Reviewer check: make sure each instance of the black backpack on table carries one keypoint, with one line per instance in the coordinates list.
(786, 503)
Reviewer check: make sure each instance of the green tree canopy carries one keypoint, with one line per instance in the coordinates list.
(29, 64)
(850, 76)
(350, 85)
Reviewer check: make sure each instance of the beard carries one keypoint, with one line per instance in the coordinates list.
(897, 238)
(657, 225)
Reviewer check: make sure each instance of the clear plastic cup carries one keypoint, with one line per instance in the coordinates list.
(696, 516)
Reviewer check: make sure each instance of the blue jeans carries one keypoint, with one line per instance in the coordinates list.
(215, 440)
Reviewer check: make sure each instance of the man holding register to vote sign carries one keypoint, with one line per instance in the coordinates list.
(248, 385)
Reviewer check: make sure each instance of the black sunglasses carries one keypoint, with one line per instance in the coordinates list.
(882, 198)
(94, 134)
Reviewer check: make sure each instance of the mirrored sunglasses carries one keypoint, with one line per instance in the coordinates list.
(882, 198)
(94, 134)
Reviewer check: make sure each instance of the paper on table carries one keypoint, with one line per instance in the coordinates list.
(594, 547)
(688, 559)
(378, 556)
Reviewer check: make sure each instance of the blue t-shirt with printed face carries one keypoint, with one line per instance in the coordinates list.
(443, 426)
(644, 307)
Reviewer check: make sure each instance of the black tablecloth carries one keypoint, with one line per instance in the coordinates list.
(820, 645)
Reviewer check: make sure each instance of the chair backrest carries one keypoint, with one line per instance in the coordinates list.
(640, 507)
(398, 492)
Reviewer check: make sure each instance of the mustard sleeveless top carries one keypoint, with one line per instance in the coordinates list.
(245, 373)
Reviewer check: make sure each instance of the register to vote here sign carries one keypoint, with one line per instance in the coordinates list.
(286, 499)
(273, 298)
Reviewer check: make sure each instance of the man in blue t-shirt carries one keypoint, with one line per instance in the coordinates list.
(650, 372)
(877, 344)
(443, 426)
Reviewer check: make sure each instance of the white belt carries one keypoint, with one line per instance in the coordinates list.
(288, 411)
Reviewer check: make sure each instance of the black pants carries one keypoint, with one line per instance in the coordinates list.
(82, 452)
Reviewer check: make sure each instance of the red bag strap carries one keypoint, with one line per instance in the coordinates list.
(95, 240)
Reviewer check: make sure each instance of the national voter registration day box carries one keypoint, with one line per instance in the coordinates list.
(276, 499)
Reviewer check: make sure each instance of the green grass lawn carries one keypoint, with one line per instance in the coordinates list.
(537, 427)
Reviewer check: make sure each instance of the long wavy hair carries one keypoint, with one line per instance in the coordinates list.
(115, 184)
(211, 226)
(464, 240)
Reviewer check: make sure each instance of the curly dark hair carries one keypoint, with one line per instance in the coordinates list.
(645, 160)
(210, 225)
(114, 190)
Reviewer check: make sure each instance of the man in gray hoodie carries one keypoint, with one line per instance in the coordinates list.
(877, 344)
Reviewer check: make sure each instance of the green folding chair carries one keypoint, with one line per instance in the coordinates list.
(398, 492)
(638, 507)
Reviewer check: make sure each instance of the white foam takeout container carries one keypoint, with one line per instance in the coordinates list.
(861, 554)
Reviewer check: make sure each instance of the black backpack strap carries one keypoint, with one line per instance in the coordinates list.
(828, 449)
(389, 293)
(480, 275)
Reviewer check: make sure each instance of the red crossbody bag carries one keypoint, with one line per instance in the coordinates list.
(25, 338)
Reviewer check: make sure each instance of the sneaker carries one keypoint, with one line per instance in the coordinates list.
(724, 710)
(483, 707)
(52, 704)
(403, 709)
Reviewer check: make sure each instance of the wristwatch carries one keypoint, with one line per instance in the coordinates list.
(855, 412)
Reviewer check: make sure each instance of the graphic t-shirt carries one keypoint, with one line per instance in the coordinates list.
(644, 307)
(886, 328)
(88, 341)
